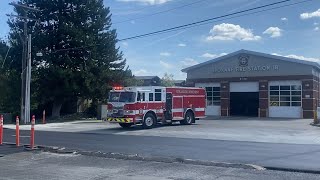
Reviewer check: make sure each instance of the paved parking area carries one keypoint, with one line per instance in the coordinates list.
(292, 131)
(44, 165)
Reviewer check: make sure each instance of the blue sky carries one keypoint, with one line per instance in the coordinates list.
(290, 31)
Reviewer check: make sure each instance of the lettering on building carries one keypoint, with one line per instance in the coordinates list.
(247, 69)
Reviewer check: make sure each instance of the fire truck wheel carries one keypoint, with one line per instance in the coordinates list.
(125, 125)
(189, 118)
(149, 121)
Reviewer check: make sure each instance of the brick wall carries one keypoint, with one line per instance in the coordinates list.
(225, 98)
(263, 98)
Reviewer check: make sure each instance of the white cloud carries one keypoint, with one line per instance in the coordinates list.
(273, 32)
(140, 72)
(315, 23)
(180, 75)
(211, 56)
(149, 2)
(166, 65)
(284, 19)
(208, 55)
(188, 62)
(165, 54)
(182, 45)
(298, 57)
(227, 32)
(307, 15)
(316, 29)
(125, 44)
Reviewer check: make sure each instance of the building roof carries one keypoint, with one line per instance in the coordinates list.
(178, 81)
(243, 51)
(145, 77)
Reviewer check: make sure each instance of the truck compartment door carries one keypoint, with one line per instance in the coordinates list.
(177, 109)
(168, 112)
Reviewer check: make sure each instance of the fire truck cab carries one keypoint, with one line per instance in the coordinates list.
(149, 105)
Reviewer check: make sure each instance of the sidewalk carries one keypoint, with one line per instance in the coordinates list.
(70, 126)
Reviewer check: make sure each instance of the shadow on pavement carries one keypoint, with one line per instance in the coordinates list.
(89, 122)
(133, 128)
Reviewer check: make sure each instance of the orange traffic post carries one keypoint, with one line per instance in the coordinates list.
(17, 132)
(1, 129)
(33, 121)
(44, 117)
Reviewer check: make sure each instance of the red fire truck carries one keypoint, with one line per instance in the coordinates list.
(149, 105)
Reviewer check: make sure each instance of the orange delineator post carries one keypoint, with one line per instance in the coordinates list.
(33, 121)
(17, 132)
(1, 129)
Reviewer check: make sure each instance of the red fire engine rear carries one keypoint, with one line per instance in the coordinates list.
(154, 104)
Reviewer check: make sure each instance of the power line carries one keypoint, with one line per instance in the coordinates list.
(206, 20)
(143, 8)
(199, 23)
(219, 20)
(160, 12)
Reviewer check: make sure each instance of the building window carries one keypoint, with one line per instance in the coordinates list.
(213, 96)
(285, 95)
(157, 95)
(141, 97)
(150, 96)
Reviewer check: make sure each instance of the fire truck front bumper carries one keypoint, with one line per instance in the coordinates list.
(120, 120)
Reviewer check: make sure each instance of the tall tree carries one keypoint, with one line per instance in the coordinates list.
(80, 56)
(9, 82)
(167, 80)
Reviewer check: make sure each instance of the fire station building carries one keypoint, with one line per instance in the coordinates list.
(247, 83)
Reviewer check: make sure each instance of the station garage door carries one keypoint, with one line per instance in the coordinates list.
(244, 98)
(212, 98)
(285, 99)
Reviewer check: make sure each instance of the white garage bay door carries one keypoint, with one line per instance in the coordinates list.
(285, 99)
(213, 98)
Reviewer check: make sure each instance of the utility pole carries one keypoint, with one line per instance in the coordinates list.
(26, 62)
(28, 82)
(23, 73)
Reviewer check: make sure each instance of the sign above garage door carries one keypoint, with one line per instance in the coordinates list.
(244, 86)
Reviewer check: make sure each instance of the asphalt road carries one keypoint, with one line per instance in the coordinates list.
(42, 165)
(291, 156)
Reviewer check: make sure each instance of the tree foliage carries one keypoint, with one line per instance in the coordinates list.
(9, 82)
(80, 56)
(167, 80)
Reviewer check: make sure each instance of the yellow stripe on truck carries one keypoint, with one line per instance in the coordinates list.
(119, 120)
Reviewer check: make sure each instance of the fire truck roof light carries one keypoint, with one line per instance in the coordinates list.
(118, 88)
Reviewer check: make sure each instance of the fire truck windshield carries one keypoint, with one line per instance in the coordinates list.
(122, 97)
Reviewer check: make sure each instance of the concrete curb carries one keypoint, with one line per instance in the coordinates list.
(24, 146)
(317, 125)
(149, 159)
(293, 170)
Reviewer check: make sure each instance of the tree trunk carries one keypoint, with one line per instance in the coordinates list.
(57, 104)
